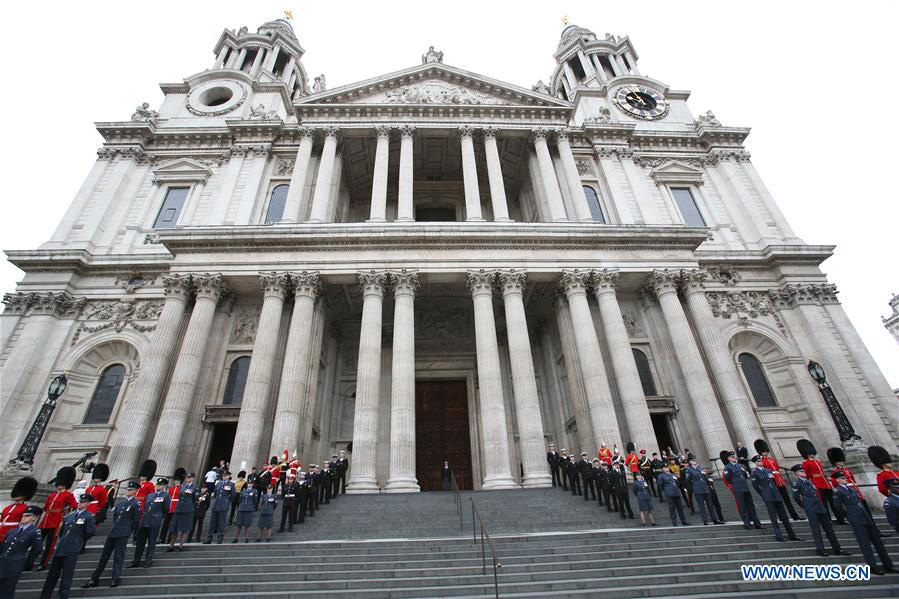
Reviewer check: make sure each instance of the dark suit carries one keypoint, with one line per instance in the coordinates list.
(738, 479)
(20, 546)
(563, 470)
(862, 526)
(586, 471)
(574, 477)
(805, 494)
(764, 484)
(125, 518)
(552, 458)
(446, 478)
(290, 496)
(668, 486)
(76, 529)
(618, 480)
(695, 478)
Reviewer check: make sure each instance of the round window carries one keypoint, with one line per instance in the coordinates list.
(216, 97)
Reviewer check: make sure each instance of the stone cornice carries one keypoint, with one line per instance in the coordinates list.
(82, 261)
(772, 255)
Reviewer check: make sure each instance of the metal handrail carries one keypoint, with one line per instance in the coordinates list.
(457, 500)
(484, 534)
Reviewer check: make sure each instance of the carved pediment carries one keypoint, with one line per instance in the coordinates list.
(675, 171)
(182, 169)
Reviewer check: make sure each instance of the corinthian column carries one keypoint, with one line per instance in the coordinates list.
(548, 176)
(368, 381)
(573, 177)
(712, 427)
(498, 474)
(293, 207)
(405, 208)
(596, 383)
(292, 391)
(325, 176)
(140, 411)
(255, 405)
(402, 386)
(630, 389)
(173, 418)
(731, 388)
(470, 175)
(378, 211)
(495, 176)
(524, 383)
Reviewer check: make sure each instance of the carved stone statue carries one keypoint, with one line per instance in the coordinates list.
(259, 112)
(431, 56)
(439, 93)
(708, 119)
(242, 31)
(144, 113)
(603, 116)
(320, 85)
(541, 87)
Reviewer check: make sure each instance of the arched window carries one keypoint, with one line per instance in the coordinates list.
(276, 204)
(758, 383)
(593, 202)
(645, 372)
(237, 380)
(105, 395)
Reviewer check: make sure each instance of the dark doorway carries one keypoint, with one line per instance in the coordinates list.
(441, 433)
(661, 423)
(222, 443)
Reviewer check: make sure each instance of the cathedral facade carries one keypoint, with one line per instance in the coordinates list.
(427, 265)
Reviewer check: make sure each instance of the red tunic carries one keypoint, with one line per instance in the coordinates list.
(632, 462)
(850, 481)
(12, 516)
(54, 506)
(815, 472)
(605, 455)
(882, 477)
(174, 493)
(100, 495)
(145, 489)
(771, 464)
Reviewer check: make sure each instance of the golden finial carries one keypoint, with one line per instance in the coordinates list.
(565, 21)
(288, 14)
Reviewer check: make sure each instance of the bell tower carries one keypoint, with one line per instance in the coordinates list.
(585, 61)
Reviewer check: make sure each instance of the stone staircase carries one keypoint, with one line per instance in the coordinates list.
(549, 544)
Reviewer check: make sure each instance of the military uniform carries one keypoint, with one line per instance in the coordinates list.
(863, 527)
(669, 488)
(76, 529)
(806, 495)
(156, 506)
(765, 485)
(574, 476)
(20, 546)
(290, 496)
(552, 458)
(221, 502)
(344, 463)
(619, 487)
(11, 517)
(125, 518)
(563, 469)
(183, 519)
(770, 463)
(700, 487)
(267, 505)
(203, 502)
(891, 506)
(737, 479)
(644, 497)
(246, 507)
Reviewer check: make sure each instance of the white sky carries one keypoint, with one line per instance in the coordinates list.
(816, 81)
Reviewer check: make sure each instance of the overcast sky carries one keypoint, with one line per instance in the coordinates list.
(816, 81)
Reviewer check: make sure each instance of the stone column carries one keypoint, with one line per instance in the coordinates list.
(325, 175)
(548, 176)
(293, 207)
(405, 207)
(495, 443)
(585, 63)
(613, 62)
(272, 58)
(402, 386)
(254, 409)
(596, 383)
(524, 384)
(633, 63)
(569, 76)
(721, 363)
(470, 175)
(627, 378)
(294, 373)
(712, 427)
(140, 411)
(363, 478)
(257, 62)
(581, 208)
(495, 176)
(597, 67)
(172, 419)
(378, 212)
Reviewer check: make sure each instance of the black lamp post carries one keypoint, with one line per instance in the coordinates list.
(25, 457)
(844, 427)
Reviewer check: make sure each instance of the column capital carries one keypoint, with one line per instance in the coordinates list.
(692, 280)
(574, 281)
(306, 284)
(177, 286)
(605, 280)
(306, 132)
(407, 131)
(513, 281)
(210, 286)
(465, 131)
(664, 281)
(480, 282)
(373, 282)
(794, 294)
(405, 282)
(383, 130)
(490, 132)
(539, 133)
(274, 284)
(561, 135)
(331, 131)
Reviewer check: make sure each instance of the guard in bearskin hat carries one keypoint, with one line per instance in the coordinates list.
(814, 470)
(144, 480)
(125, 517)
(631, 460)
(22, 491)
(22, 544)
(58, 504)
(98, 491)
(770, 462)
(76, 529)
(880, 457)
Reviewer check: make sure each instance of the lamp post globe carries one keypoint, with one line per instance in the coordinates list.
(57, 386)
(817, 372)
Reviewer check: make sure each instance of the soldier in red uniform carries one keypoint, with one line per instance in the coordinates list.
(97, 490)
(174, 493)
(814, 470)
(145, 488)
(22, 491)
(881, 458)
(769, 462)
(605, 455)
(58, 504)
(631, 460)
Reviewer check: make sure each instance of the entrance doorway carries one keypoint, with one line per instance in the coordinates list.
(441, 433)
(222, 443)
(661, 424)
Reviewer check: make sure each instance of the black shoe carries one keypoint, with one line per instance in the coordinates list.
(797, 518)
(148, 563)
(93, 582)
(114, 583)
(653, 523)
(841, 522)
(877, 571)
(234, 541)
(747, 527)
(720, 522)
(890, 570)
(795, 538)
(781, 540)
(134, 564)
(759, 527)
(170, 549)
(705, 523)
(259, 540)
(685, 524)
(209, 542)
(822, 553)
(843, 552)
(247, 540)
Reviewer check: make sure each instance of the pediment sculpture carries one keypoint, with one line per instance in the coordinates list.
(439, 93)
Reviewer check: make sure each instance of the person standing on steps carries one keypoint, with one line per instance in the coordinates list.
(743, 456)
(203, 501)
(245, 510)
(221, 503)
(619, 485)
(814, 471)
(737, 479)
(669, 488)
(290, 492)
(585, 472)
(446, 476)
(574, 477)
(335, 476)
(646, 469)
(125, 519)
(891, 503)
(631, 460)
(268, 502)
(644, 500)
(597, 473)
(20, 545)
(58, 505)
(764, 482)
(156, 507)
(713, 494)
(862, 526)
(210, 478)
(324, 486)
(608, 490)
(769, 462)
(695, 478)
(656, 465)
(74, 532)
(806, 495)
(563, 468)
(99, 474)
(174, 495)
(552, 458)
(840, 462)
(235, 500)
(183, 518)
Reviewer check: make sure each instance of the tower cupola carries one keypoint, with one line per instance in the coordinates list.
(586, 61)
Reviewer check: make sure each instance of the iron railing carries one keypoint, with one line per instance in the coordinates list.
(485, 534)
(457, 501)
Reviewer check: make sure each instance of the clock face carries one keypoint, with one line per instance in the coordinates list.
(641, 102)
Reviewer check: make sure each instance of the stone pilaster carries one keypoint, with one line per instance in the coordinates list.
(322, 195)
(405, 209)
(293, 207)
(573, 178)
(470, 175)
(495, 176)
(378, 212)
(548, 176)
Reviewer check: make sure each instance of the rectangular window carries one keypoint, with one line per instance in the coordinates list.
(687, 205)
(171, 208)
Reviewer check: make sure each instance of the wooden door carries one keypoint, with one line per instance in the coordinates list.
(441, 433)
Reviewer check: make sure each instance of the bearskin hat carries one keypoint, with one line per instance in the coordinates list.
(65, 477)
(25, 488)
(100, 472)
(879, 456)
(147, 469)
(836, 454)
(724, 455)
(630, 446)
(274, 460)
(180, 474)
(805, 448)
(761, 446)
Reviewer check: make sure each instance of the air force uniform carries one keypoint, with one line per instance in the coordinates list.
(157, 505)
(125, 518)
(806, 494)
(20, 545)
(76, 529)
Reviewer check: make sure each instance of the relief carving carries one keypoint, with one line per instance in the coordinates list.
(245, 322)
(743, 305)
(440, 93)
(117, 315)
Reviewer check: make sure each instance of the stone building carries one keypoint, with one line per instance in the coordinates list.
(429, 264)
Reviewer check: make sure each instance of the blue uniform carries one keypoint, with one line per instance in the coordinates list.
(125, 517)
(891, 507)
(735, 475)
(247, 506)
(155, 509)
(644, 497)
(267, 510)
(183, 519)
(668, 485)
(76, 529)
(765, 485)
(221, 502)
(697, 480)
(862, 525)
(805, 494)
(20, 546)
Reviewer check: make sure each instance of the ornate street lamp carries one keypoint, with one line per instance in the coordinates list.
(25, 458)
(844, 427)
